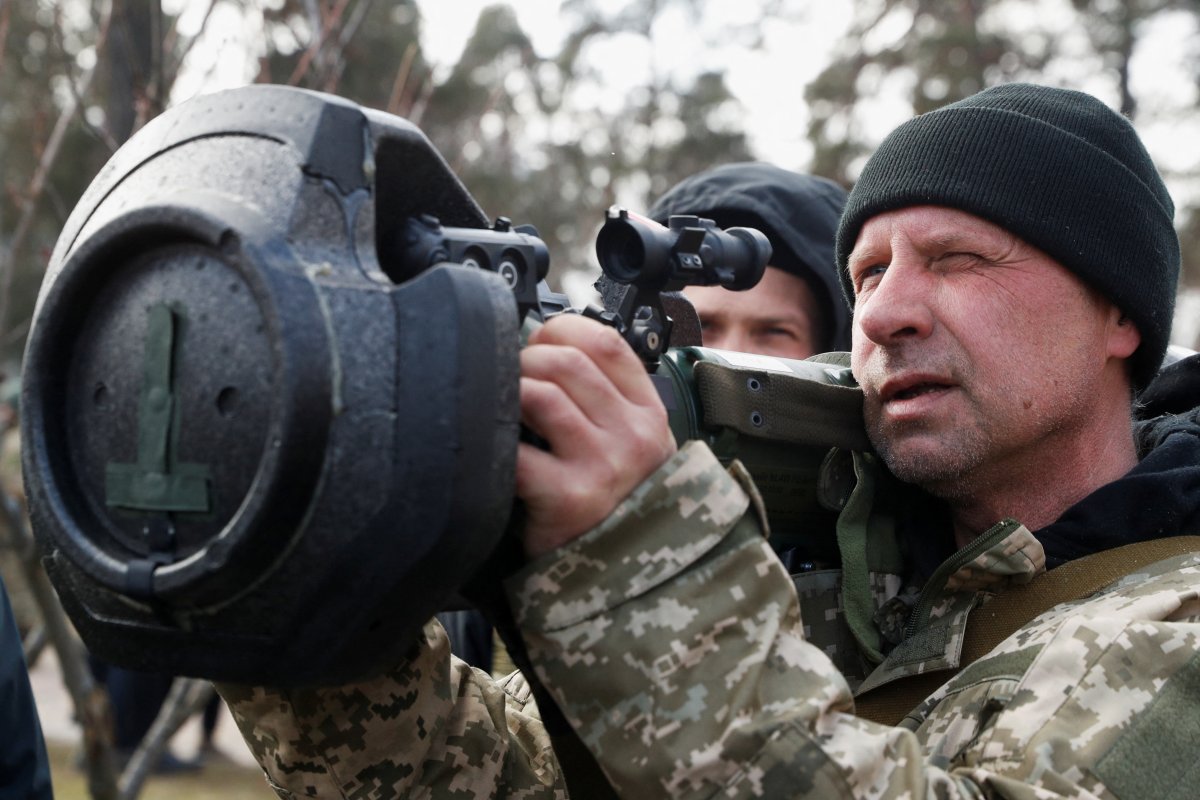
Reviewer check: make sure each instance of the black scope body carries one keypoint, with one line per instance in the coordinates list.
(689, 251)
(270, 395)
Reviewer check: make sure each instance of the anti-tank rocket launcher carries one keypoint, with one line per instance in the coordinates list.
(269, 407)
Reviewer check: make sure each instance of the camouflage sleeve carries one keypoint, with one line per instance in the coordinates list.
(670, 635)
(671, 638)
(432, 727)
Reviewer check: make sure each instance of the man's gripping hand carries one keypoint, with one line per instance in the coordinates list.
(585, 392)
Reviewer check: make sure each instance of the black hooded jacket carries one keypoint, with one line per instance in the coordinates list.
(798, 213)
(24, 766)
(1160, 496)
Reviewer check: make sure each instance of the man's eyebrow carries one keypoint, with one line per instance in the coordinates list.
(858, 256)
(710, 314)
(948, 240)
(791, 318)
(953, 240)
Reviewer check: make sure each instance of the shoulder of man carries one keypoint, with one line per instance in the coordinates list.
(1108, 666)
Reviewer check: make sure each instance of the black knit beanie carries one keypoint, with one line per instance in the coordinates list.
(1057, 168)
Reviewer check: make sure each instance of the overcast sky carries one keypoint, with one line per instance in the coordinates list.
(768, 82)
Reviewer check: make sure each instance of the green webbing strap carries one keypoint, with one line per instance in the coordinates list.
(852, 528)
(996, 620)
(999, 618)
(781, 406)
(157, 482)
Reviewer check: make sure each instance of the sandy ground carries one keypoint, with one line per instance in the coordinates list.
(58, 724)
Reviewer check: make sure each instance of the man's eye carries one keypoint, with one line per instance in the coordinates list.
(960, 260)
(868, 276)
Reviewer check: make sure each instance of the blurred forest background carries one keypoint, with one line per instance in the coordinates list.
(524, 129)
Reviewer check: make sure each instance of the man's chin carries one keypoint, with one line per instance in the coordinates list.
(936, 466)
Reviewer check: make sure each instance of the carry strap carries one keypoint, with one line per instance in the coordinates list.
(999, 618)
(782, 406)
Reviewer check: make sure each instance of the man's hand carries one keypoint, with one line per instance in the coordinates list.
(585, 392)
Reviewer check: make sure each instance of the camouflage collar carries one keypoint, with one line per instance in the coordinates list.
(1005, 555)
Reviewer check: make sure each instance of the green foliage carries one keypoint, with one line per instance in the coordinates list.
(526, 136)
(519, 128)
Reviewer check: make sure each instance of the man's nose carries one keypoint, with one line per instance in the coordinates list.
(899, 306)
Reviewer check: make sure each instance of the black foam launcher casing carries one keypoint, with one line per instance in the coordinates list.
(250, 454)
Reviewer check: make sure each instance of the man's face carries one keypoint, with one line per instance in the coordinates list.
(975, 350)
(778, 317)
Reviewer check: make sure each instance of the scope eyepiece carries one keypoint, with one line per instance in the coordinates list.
(690, 251)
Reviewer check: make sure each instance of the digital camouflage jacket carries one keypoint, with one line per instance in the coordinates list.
(673, 640)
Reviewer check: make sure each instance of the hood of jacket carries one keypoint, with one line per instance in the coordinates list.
(798, 213)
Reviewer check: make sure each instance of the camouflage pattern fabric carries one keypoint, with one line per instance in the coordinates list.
(823, 615)
(674, 642)
(431, 728)
(1005, 555)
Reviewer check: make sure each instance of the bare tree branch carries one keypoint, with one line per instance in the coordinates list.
(154, 85)
(34, 644)
(401, 81)
(417, 111)
(316, 36)
(18, 330)
(101, 132)
(45, 163)
(351, 27)
(191, 42)
(186, 697)
(5, 13)
(336, 61)
(91, 701)
(323, 28)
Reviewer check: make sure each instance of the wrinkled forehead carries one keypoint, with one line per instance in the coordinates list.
(934, 222)
(929, 228)
(948, 240)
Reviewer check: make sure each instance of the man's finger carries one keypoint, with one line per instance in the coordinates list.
(605, 347)
(549, 411)
(580, 379)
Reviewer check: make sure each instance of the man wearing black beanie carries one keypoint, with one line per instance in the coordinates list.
(1021, 208)
(1011, 261)
(1056, 168)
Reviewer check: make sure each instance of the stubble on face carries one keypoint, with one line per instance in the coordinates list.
(933, 453)
(960, 456)
(992, 375)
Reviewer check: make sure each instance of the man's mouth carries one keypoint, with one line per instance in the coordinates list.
(918, 390)
(909, 387)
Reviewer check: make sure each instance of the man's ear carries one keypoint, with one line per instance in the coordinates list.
(1123, 334)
